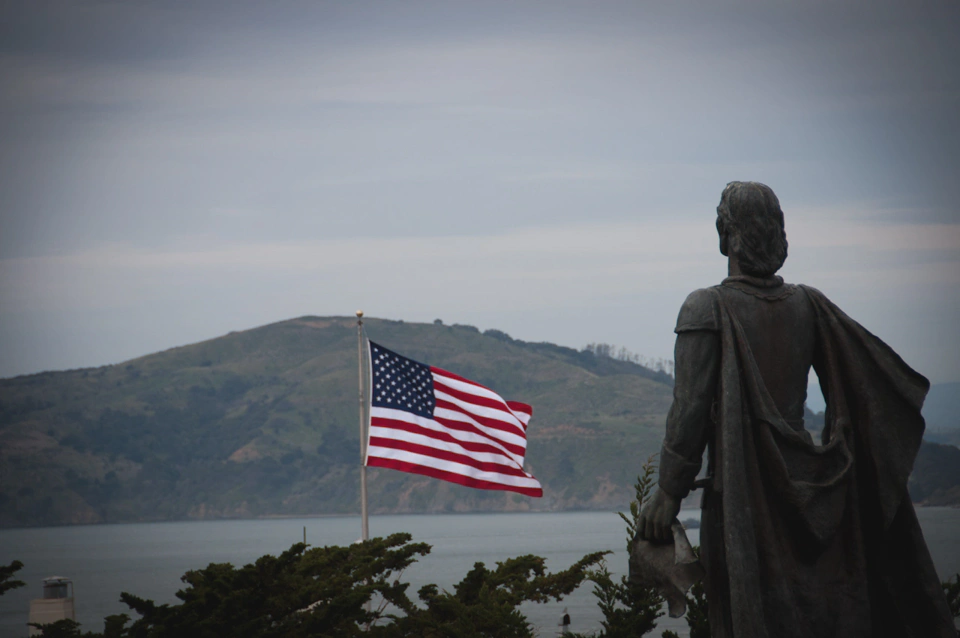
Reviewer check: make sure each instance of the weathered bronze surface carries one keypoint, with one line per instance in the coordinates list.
(798, 540)
(671, 568)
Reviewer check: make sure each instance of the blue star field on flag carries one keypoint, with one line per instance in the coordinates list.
(401, 383)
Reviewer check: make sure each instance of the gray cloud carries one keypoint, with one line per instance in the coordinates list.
(165, 163)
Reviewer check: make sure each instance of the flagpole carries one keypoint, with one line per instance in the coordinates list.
(364, 523)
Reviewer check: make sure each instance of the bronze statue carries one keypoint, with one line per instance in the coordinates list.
(798, 540)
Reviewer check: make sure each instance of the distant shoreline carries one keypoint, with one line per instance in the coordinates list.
(282, 517)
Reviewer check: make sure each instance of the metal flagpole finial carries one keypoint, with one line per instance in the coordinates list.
(359, 314)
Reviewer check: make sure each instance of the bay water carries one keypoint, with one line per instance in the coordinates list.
(147, 559)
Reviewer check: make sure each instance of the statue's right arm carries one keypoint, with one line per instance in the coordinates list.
(697, 368)
(696, 376)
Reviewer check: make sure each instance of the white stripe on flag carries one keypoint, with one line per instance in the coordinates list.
(450, 466)
(430, 424)
(494, 433)
(505, 413)
(482, 411)
(446, 446)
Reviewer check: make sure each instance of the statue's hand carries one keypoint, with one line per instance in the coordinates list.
(657, 516)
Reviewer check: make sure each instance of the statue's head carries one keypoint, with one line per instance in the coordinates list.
(750, 224)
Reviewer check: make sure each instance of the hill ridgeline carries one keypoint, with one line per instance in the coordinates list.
(264, 422)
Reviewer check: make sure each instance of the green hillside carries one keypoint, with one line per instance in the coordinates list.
(264, 423)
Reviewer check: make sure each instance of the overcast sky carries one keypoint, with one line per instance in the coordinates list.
(171, 171)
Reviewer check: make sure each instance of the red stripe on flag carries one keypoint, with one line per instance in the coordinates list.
(474, 398)
(460, 426)
(457, 377)
(460, 479)
(495, 424)
(472, 446)
(516, 406)
(452, 457)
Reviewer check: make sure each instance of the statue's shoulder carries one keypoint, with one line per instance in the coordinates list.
(812, 292)
(818, 299)
(699, 311)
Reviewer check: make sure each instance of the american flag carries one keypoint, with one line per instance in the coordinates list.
(432, 422)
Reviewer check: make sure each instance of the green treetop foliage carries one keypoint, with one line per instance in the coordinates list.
(629, 610)
(356, 590)
(486, 602)
(952, 591)
(642, 489)
(343, 591)
(6, 577)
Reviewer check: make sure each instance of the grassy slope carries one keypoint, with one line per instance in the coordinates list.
(264, 422)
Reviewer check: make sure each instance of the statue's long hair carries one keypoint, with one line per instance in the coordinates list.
(750, 213)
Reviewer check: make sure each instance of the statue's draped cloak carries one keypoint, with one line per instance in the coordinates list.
(816, 541)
